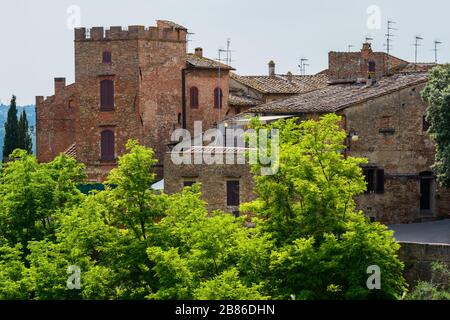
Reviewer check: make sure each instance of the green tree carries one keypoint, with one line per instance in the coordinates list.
(195, 253)
(323, 246)
(31, 193)
(437, 94)
(136, 204)
(24, 137)
(11, 140)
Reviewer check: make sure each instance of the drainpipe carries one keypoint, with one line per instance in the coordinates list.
(184, 72)
(183, 108)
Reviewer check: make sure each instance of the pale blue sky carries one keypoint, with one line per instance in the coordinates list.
(36, 44)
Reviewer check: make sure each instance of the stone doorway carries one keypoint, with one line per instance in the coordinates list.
(427, 193)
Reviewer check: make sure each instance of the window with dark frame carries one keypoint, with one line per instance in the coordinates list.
(218, 98)
(194, 97)
(106, 95)
(107, 57)
(107, 145)
(425, 124)
(188, 183)
(374, 178)
(233, 199)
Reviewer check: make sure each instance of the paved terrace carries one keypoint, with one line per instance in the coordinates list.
(427, 232)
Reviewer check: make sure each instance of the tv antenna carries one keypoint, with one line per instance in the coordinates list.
(436, 44)
(389, 36)
(368, 39)
(350, 46)
(188, 39)
(416, 45)
(303, 66)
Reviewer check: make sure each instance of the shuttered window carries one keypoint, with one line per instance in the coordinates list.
(218, 97)
(194, 97)
(374, 179)
(107, 57)
(107, 145)
(233, 193)
(372, 66)
(380, 182)
(188, 183)
(106, 95)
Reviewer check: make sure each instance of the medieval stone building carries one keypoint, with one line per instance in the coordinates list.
(378, 97)
(134, 83)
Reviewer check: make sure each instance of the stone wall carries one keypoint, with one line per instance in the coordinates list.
(392, 138)
(55, 121)
(213, 179)
(419, 257)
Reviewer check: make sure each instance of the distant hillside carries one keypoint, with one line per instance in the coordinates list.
(31, 115)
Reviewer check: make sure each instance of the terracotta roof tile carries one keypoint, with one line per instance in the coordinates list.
(283, 84)
(235, 100)
(336, 97)
(205, 63)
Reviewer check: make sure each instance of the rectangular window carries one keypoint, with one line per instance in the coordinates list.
(106, 95)
(233, 199)
(107, 57)
(189, 183)
(425, 124)
(374, 179)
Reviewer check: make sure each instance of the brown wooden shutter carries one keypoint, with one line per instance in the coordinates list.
(380, 181)
(194, 97)
(233, 193)
(107, 145)
(107, 57)
(369, 175)
(107, 95)
(218, 98)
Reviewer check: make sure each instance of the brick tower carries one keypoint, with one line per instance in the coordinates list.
(127, 85)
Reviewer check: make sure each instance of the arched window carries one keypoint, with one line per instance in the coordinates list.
(218, 97)
(107, 146)
(106, 95)
(194, 97)
(107, 57)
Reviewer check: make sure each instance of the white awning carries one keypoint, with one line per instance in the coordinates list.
(263, 119)
(158, 185)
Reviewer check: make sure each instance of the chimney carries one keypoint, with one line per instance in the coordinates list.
(271, 68)
(60, 83)
(366, 50)
(289, 76)
(199, 52)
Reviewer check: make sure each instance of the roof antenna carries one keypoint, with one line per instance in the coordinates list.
(436, 44)
(303, 66)
(368, 39)
(350, 46)
(416, 45)
(389, 35)
(188, 39)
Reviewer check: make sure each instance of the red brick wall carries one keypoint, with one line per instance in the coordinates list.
(146, 70)
(55, 122)
(206, 81)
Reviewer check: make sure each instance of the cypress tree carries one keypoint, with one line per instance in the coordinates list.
(11, 140)
(24, 137)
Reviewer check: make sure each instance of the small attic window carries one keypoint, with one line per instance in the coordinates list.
(107, 57)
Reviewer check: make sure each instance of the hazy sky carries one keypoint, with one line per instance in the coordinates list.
(36, 44)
